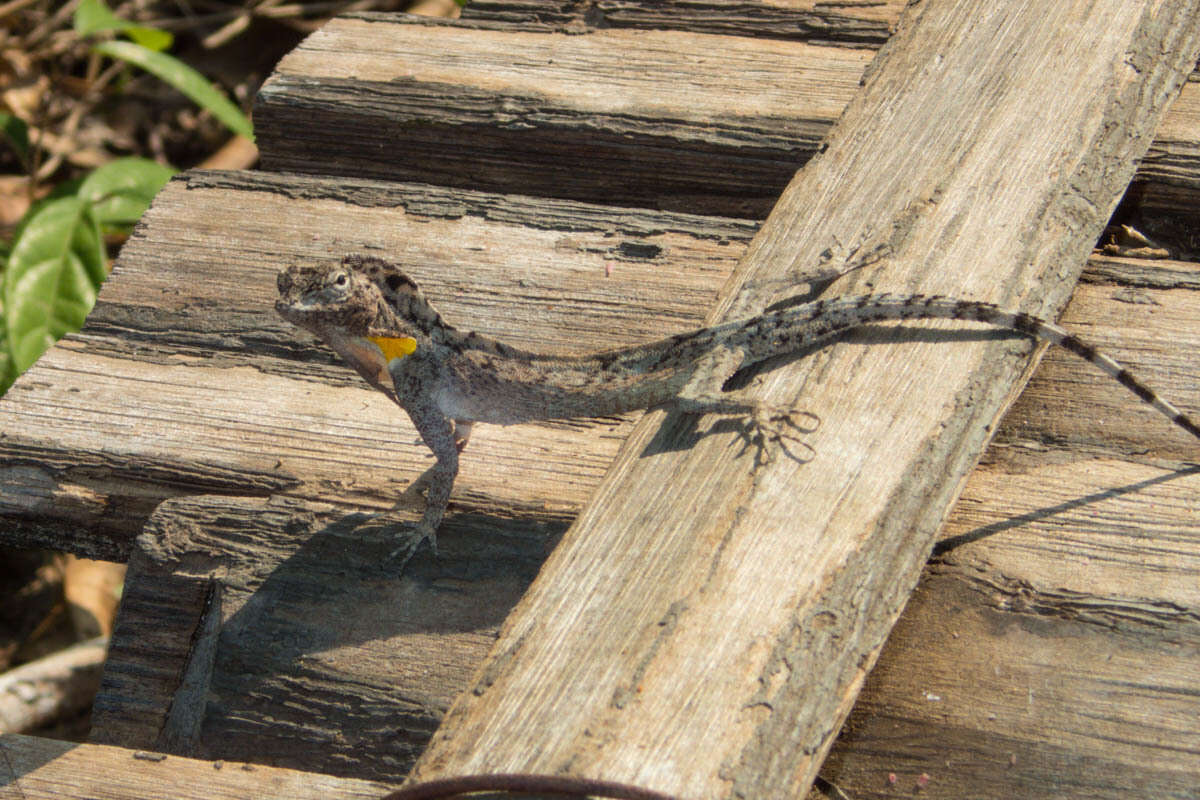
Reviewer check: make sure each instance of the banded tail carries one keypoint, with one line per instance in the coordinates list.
(850, 312)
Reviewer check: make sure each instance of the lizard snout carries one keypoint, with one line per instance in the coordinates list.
(284, 282)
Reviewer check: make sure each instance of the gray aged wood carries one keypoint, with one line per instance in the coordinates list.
(32, 768)
(674, 119)
(1009, 651)
(239, 391)
(855, 24)
(573, 116)
(1049, 649)
(983, 153)
(520, 488)
(185, 381)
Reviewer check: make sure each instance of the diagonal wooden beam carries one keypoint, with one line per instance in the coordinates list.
(706, 624)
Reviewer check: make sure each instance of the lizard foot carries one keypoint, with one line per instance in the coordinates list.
(783, 425)
(412, 536)
(384, 528)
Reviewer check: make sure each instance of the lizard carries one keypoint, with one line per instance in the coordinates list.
(379, 321)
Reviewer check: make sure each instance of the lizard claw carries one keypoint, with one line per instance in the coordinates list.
(779, 424)
(412, 539)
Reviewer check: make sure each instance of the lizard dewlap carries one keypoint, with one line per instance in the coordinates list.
(395, 346)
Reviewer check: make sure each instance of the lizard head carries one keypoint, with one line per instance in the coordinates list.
(362, 299)
(322, 299)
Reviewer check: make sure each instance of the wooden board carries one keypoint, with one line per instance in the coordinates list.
(781, 587)
(997, 691)
(185, 381)
(415, 641)
(853, 24)
(679, 118)
(45, 769)
(65, 492)
(1049, 647)
(478, 534)
(519, 487)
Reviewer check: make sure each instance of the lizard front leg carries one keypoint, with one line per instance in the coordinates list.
(439, 436)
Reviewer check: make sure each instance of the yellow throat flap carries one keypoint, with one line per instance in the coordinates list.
(394, 346)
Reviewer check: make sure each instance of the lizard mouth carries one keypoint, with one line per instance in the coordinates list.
(293, 312)
(283, 308)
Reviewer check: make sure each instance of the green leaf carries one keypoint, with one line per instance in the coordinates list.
(183, 78)
(53, 273)
(120, 192)
(7, 373)
(16, 133)
(150, 38)
(92, 16)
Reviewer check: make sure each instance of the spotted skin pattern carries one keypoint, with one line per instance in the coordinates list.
(379, 321)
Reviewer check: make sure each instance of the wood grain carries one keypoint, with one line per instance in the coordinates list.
(44, 769)
(781, 587)
(185, 381)
(1049, 647)
(144, 315)
(855, 24)
(1089, 586)
(677, 118)
(667, 119)
(306, 648)
(995, 690)
(519, 487)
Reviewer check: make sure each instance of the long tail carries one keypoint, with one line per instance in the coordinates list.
(823, 318)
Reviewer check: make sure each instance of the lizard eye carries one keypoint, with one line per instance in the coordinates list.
(341, 280)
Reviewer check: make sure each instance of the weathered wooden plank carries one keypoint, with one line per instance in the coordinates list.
(1153, 329)
(993, 689)
(131, 320)
(665, 118)
(656, 118)
(45, 769)
(185, 381)
(562, 304)
(855, 24)
(195, 326)
(136, 418)
(1050, 647)
(315, 652)
(427, 630)
(781, 586)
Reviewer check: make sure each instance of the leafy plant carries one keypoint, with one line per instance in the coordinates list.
(51, 271)
(92, 16)
(16, 133)
(57, 260)
(145, 51)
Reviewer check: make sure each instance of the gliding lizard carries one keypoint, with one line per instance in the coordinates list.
(378, 320)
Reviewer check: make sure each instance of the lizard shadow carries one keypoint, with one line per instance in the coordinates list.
(684, 432)
(322, 639)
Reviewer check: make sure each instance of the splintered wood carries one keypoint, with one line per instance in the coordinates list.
(710, 637)
(707, 625)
